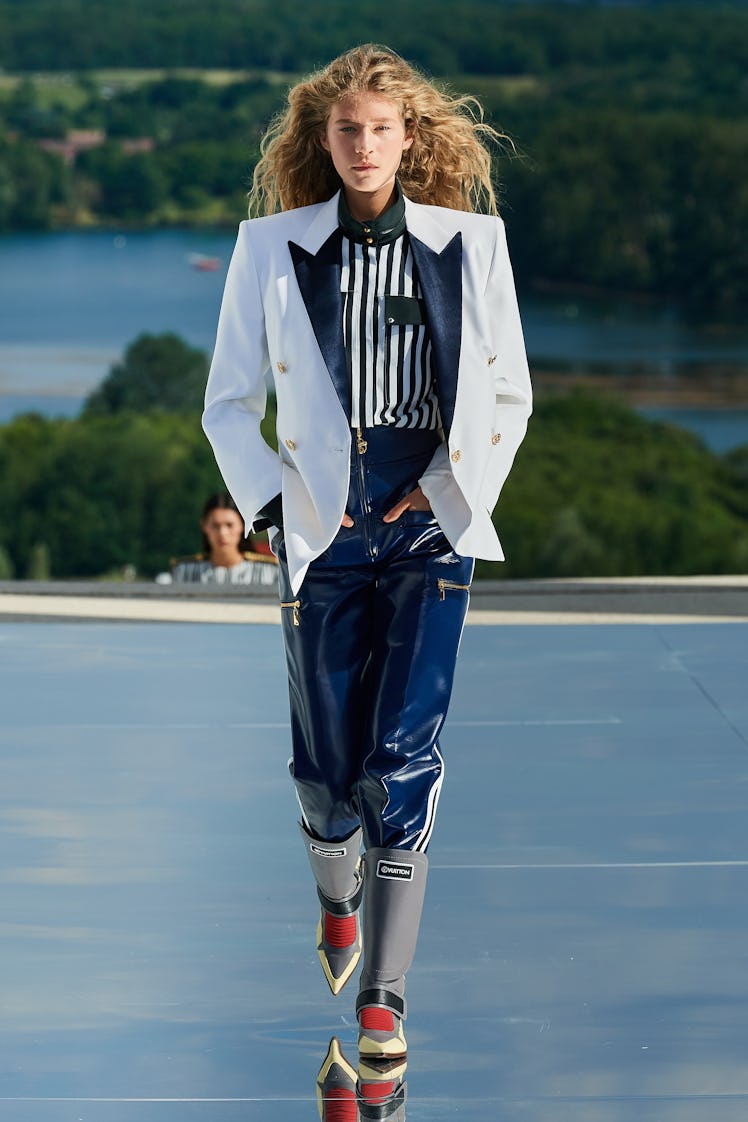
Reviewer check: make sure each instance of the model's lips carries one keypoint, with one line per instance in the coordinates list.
(364, 167)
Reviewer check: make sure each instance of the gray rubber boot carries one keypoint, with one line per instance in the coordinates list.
(394, 887)
(336, 1087)
(336, 867)
(389, 1109)
(381, 1090)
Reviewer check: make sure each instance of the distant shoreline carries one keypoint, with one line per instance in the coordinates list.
(704, 386)
(226, 224)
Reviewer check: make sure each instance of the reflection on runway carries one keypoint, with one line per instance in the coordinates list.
(582, 951)
(375, 1092)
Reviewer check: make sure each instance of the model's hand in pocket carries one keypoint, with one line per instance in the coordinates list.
(415, 500)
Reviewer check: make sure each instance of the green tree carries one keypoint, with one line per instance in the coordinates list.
(136, 188)
(597, 490)
(130, 186)
(103, 491)
(570, 547)
(30, 182)
(39, 567)
(156, 372)
(7, 571)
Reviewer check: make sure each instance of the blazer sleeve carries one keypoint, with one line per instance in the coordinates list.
(236, 393)
(512, 392)
(512, 388)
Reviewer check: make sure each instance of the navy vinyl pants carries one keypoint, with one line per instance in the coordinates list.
(371, 643)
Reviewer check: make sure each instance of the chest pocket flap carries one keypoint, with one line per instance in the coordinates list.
(403, 310)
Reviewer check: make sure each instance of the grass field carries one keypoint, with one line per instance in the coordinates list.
(70, 91)
(69, 88)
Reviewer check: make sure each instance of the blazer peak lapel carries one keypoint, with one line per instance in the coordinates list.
(318, 276)
(440, 277)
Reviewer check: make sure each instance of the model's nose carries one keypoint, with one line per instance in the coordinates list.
(363, 145)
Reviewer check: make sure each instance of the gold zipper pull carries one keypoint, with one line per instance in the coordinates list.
(295, 604)
(360, 442)
(443, 585)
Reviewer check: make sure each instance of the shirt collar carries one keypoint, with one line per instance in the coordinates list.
(377, 231)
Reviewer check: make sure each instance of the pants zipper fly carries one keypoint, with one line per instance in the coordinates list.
(361, 446)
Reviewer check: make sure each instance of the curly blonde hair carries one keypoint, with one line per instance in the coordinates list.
(448, 164)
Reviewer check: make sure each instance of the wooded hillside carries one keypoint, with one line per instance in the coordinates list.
(629, 122)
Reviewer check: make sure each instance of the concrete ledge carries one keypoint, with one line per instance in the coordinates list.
(656, 598)
(652, 600)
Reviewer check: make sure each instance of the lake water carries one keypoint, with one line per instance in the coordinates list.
(71, 302)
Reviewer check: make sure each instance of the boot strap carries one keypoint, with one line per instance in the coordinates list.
(383, 999)
(342, 907)
(377, 1111)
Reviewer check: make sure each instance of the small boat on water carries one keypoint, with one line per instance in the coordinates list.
(203, 262)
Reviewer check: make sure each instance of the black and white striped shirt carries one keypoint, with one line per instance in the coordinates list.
(388, 349)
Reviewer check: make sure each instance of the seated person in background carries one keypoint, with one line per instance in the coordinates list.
(223, 559)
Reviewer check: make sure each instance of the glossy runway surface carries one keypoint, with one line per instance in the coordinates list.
(583, 954)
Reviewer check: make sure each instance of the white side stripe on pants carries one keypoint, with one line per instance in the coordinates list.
(433, 802)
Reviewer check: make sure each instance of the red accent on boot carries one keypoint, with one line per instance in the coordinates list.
(340, 1106)
(340, 931)
(376, 1092)
(379, 1020)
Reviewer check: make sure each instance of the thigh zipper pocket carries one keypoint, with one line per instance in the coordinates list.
(295, 605)
(449, 585)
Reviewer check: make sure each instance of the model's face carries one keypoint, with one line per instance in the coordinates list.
(223, 529)
(366, 138)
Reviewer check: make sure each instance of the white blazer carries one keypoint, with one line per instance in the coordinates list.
(281, 316)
